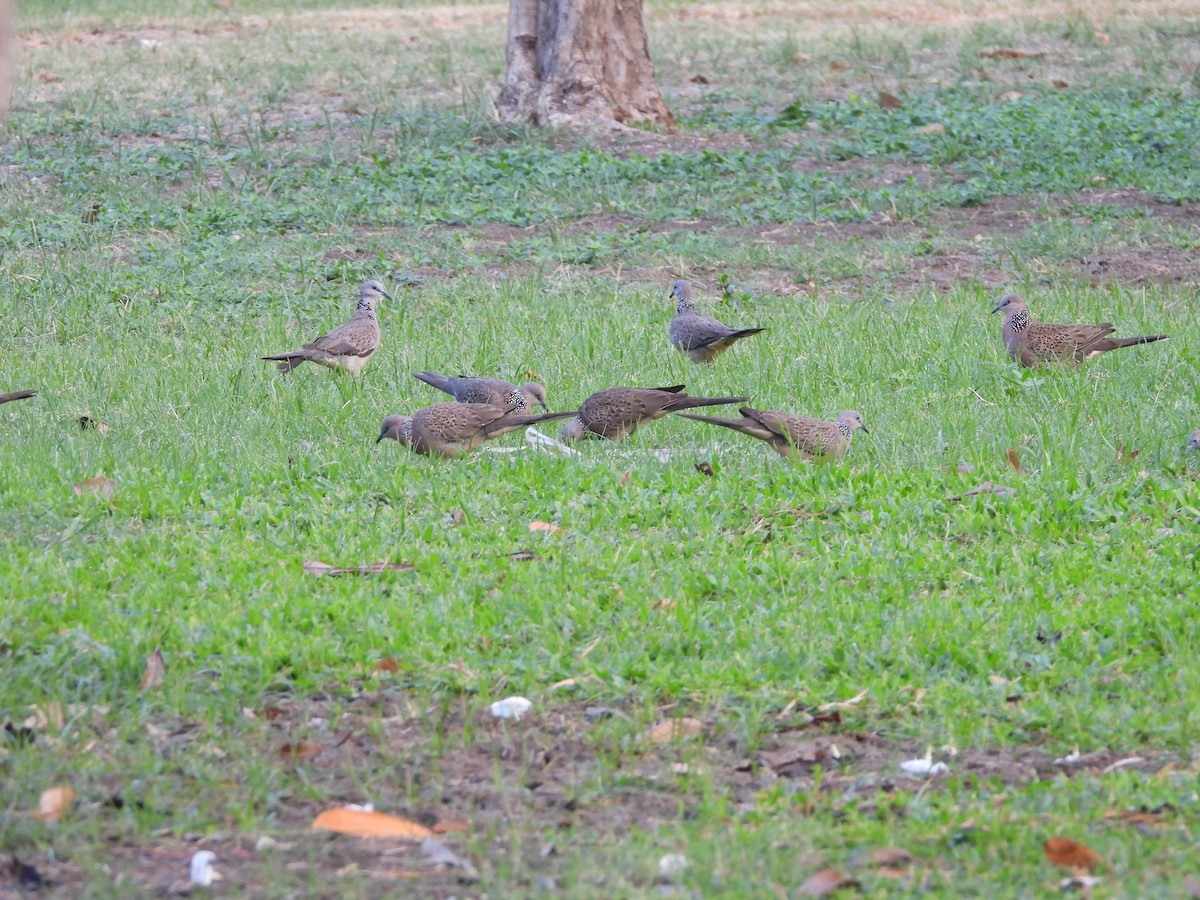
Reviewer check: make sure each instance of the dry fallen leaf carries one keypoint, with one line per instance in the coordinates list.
(300, 750)
(387, 665)
(826, 882)
(1014, 460)
(843, 704)
(889, 101)
(1059, 83)
(624, 480)
(1010, 53)
(888, 857)
(445, 826)
(1065, 852)
(315, 567)
(670, 730)
(1123, 456)
(100, 487)
(359, 823)
(155, 670)
(547, 527)
(49, 77)
(932, 128)
(54, 802)
(699, 79)
(1009, 96)
(799, 757)
(837, 65)
(705, 469)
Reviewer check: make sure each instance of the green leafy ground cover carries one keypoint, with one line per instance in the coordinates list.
(173, 210)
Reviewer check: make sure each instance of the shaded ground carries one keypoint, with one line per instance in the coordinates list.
(516, 794)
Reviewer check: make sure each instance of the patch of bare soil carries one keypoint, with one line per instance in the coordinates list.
(1159, 265)
(562, 774)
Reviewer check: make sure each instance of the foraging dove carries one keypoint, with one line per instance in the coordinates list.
(701, 338)
(495, 391)
(347, 347)
(795, 435)
(1194, 440)
(16, 395)
(1033, 343)
(448, 429)
(618, 412)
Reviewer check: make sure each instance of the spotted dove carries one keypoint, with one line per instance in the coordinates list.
(795, 435)
(495, 391)
(1033, 343)
(701, 338)
(617, 412)
(448, 429)
(347, 347)
(16, 395)
(1194, 440)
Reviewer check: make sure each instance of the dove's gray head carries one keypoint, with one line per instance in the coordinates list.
(1194, 440)
(370, 294)
(1009, 303)
(574, 431)
(535, 394)
(681, 293)
(853, 420)
(396, 427)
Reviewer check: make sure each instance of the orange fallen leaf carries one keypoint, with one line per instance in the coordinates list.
(826, 882)
(155, 670)
(300, 750)
(1065, 852)
(889, 101)
(54, 802)
(387, 665)
(100, 487)
(1059, 83)
(624, 480)
(369, 824)
(836, 65)
(1010, 53)
(1014, 460)
(445, 826)
(669, 730)
(547, 527)
(1123, 456)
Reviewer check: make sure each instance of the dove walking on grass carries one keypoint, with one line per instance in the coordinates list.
(451, 429)
(617, 412)
(701, 338)
(795, 436)
(347, 347)
(1034, 343)
(17, 395)
(494, 391)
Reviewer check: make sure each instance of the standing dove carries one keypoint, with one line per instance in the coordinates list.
(618, 412)
(16, 395)
(795, 435)
(495, 391)
(701, 338)
(448, 429)
(347, 347)
(1194, 440)
(1033, 343)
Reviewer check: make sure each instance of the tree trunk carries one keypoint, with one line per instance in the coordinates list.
(573, 61)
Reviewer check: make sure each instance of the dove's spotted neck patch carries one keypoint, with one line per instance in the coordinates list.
(516, 399)
(1018, 320)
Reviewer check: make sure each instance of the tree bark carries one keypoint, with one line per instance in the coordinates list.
(580, 61)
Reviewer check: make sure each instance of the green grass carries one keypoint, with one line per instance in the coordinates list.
(160, 234)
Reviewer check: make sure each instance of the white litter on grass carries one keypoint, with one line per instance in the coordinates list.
(361, 807)
(538, 441)
(1070, 759)
(1079, 883)
(924, 766)
(511, 707)
(202, 872)
(672, 865)
(150, 43)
